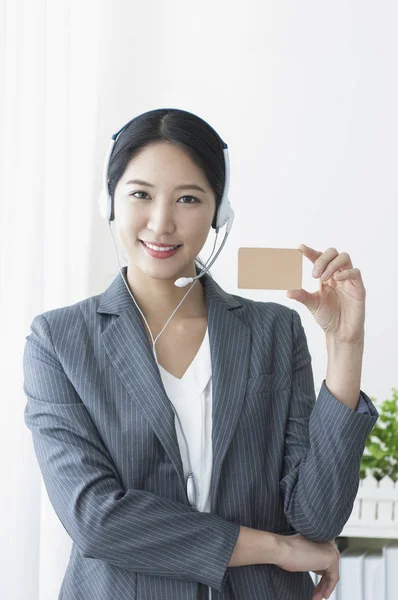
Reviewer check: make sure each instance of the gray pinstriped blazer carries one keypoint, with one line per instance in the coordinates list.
(104, 436)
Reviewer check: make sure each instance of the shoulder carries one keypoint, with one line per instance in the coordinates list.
(271, 314)
(67, 321)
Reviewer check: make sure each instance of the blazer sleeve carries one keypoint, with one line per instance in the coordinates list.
(133, 528)
(362, 406)
(324, 444)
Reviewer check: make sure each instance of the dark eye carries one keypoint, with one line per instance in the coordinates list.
(192, 197)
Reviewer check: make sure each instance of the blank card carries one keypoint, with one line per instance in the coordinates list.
(270, 268)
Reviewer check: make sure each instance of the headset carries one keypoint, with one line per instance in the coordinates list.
(225, 215)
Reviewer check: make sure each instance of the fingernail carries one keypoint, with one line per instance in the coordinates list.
(316, 271)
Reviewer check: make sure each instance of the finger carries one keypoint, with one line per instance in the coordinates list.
(320, 590)
(318, 593)
(342, 261)
(354, 274)
(323, 261)
(310, 253)
(329, 588)
(332, 580)
(311, 301)
(327, 584)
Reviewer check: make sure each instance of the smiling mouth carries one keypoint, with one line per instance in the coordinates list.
(161, 247)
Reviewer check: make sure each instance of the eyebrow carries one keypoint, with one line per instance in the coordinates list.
(184, 186)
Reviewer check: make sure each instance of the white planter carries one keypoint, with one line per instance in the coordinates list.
(375, 511)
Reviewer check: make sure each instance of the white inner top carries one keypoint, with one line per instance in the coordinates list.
(191, 397)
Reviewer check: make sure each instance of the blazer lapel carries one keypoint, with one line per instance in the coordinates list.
(130, 352)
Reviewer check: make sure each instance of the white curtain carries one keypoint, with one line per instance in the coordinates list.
(48, 103)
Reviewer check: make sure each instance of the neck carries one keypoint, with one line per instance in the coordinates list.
(158, 298)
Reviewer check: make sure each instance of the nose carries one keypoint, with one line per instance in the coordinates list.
(161, 220)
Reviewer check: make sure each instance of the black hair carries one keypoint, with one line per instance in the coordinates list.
(179, 127)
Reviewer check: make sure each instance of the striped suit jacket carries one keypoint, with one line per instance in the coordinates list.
(104, 435)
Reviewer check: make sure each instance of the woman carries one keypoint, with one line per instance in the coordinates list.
(175, 450)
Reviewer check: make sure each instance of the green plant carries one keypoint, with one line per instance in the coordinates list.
(380, 458)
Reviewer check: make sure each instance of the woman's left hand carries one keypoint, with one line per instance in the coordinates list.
(339, 305)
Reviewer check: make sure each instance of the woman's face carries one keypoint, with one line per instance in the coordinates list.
(157, 211)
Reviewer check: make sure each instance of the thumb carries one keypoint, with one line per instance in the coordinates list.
(303, 297)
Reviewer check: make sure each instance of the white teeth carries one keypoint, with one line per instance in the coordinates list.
(158, 249)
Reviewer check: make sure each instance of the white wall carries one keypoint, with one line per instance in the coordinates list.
(305, 94)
